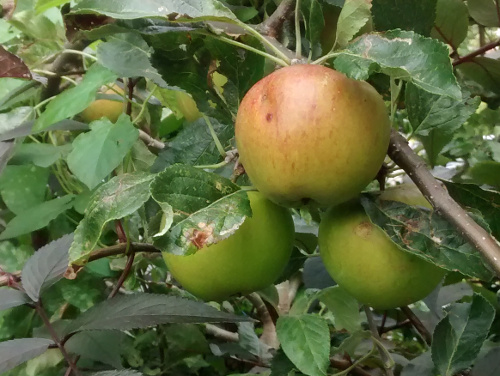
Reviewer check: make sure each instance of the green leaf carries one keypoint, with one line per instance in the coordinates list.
(97, 153)
(484, 12)
(11, 120)
(189, 189)
(249, 340)
(408, 15)
(344, 307)
(36, 217)
(13, 257)
(482, 74)
(76, 99)
(486, 172)
(314, 20)
(119, 197)
(23, 187)
(128, 55)
(305, 339)
(43, 5)
(17, 351)
(126, 312)
(404, 55)
(194, 145)
(124, 372)
(472, 197)
(42, 155)
(130, 9)
(488, 365)
(46, 266)
(452, 22)
(428, 236)
(458, 338)
(101, 346)
(420, 366)
(215, 222)
(354, 15)
(11, 298)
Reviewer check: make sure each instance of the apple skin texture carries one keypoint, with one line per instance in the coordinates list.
(363, 260)
(249, 260)
(107, 108)
(309, 132)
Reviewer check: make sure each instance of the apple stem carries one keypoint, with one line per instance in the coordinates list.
(76, 52)
(218, 144)
(395, 91)
(143, 107)
(384, 354)
(298, 37)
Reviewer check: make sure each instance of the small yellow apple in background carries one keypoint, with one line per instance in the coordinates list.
(307, 132)
(249, 260)
(108, 108)
(187, 106)
(363, 260)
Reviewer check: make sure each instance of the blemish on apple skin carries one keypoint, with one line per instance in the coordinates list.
(363, 230)
(269, 117)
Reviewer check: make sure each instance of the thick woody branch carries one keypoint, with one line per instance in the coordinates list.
(436, 193)
(150, 141)
(273, 25)
(269, 336)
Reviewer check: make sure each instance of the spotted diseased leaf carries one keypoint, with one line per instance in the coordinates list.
(12, 66)
(126, 312)
(207, 226)
(458, 338)
(119, 197)
(17, 351)
(404, 55)
(427, 235)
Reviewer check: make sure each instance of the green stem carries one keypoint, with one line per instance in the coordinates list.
(298, 37)
(252, 49)
(355, 364)
(395, 91)
(264, 40)
(76, 52)
(322, 59)
(143, 107)
(218, 144)
(213, 166)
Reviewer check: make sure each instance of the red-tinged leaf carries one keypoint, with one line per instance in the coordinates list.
(12, 66)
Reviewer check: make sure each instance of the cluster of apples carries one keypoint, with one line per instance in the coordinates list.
(308, 133)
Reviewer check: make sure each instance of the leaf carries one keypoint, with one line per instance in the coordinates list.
(119, 197)
(473, 197)
(46, 266)
(23, 187)
(97, 153)
(17, 351)
(315, 275)
(483, 75)
(130, 9)
(343, 306)
(11, 120)
(42, 155)
(12, 66)
(354, 15)
(128, 55)
(420, 366)
(250, 342)
(428, 236)
(409, 15)
(305, 339)
(486, 172)
(207, 226)
(484, 12)
(43, 5)
(76, 99)
(458, 338)
(488, 365)
(11, 298)
(452, 22)
(194, 145)
(36, 217)
(25, 128)
(123, 372)
(403, 55)
(189, 189)
(100, 346)
(314, 20)
(126, 312)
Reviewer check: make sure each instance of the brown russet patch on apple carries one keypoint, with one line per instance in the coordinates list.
(364, 229)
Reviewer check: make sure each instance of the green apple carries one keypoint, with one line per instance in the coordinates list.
(249, 260)
(108, 108)
(363, 260)
(307, 132)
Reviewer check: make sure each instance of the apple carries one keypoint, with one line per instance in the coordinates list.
(108, 108)
(307, 132)
(249, 260)
(364, 261)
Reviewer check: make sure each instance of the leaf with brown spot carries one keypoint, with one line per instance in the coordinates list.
(12, 66)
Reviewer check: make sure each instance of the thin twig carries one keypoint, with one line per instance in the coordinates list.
(378, 341)
(417, 324)
(130, 85)
(435, 192)
(124, 275)
(150, 141)
(220, 333)
(477, 52)
(269, 336)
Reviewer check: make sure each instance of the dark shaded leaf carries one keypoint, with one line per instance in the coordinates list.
(17, 351)
(314, 20)
(315, 275)
(12, 66)
(404, 55)
(484, 12)
(25, 129)
(458, 338)
(11, 298)
(144, 310)
(486, 172)
(46, 266)
(452, 22)
(124, 372)
(420, 366)
(427, 235)
(488, 365)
